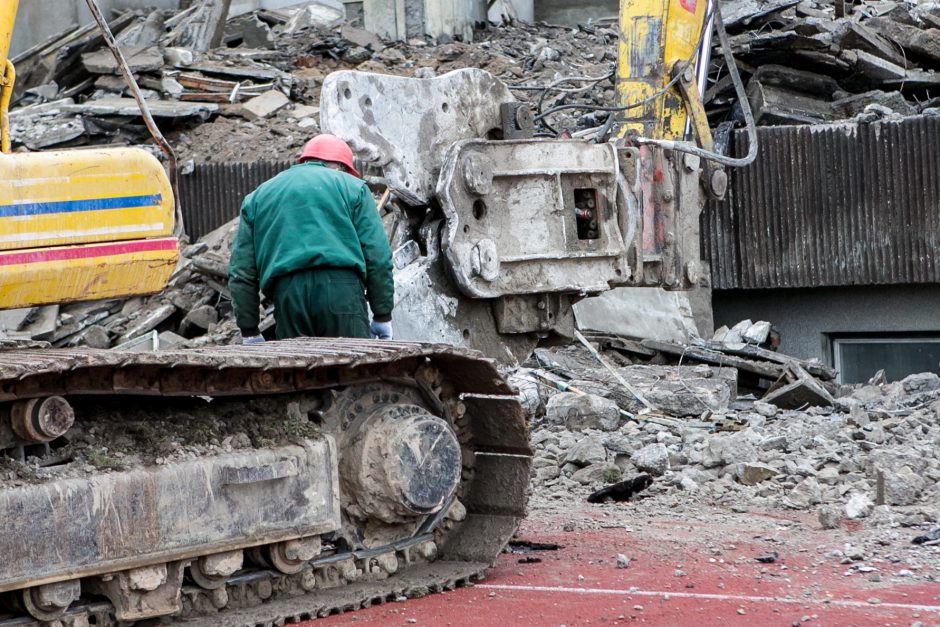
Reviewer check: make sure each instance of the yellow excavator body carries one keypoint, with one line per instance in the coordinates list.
(79, 224)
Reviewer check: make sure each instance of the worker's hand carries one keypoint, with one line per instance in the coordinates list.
(381, 330)
(252, 340)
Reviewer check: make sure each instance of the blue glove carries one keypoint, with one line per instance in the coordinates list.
(252, 340)
(381, 330)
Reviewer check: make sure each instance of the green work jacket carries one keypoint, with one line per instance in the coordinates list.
(307, 217)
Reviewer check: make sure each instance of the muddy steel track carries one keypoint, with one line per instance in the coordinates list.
(369, 471)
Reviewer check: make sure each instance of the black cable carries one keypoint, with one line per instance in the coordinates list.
(587, 107)
(540, 116)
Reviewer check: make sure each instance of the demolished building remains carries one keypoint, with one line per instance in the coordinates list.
(844, 95)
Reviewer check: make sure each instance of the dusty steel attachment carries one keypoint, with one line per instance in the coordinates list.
(532, 217)
(405, 125)
(517, 120)
(514, 230)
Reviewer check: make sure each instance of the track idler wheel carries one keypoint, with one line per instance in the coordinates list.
(40, 420)
(50, 601)
(287, 557)
(212, 571)
(399, 463)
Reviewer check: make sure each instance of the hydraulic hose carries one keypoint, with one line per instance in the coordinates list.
(691, 148)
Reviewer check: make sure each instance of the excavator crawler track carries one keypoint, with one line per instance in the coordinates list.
(252, 486)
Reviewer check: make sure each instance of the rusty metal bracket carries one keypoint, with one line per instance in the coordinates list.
(143, 592)
(517, 120)
(714, 178)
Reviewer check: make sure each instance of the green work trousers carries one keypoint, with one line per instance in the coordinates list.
(321, 302)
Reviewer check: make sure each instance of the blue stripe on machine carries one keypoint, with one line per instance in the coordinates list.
(73, 206)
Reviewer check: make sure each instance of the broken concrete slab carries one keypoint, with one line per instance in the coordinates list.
(761, 368)
(15, 319)
(95, 336)
(265, 105)
(128, 107)
(853, 105)
(654, 314)
(922, 42)
(203, 28)
(875, 69)
(43, 326)
(583, 411)
(198, 321)
(898, 488)
(773, 106)
(362, 37)
(804, 391)
(797, 80)
(257, 34)
(304, 111)
(744, 11)
(653, 458)
(148, 320)
(860, 37)
(326, 13)
(917, 78)
(180, 57)
(139, 60)
(754, 473)
(586, 451)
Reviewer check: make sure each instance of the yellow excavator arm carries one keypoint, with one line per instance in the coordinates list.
(657, 38)
(79, 224)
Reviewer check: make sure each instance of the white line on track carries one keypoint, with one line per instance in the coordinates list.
(715, 597)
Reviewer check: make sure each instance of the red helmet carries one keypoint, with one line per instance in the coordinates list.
(329, 148)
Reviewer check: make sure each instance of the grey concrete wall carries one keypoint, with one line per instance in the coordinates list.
(38, 20)
(573, 12)
(804, 317)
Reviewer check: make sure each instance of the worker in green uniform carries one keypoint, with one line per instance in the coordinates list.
(311, 239)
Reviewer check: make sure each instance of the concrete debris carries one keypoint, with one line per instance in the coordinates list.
(830, 517)
(823, 458)
(653, 458)
(266, 104)
(802, 60)
(802, 63)
(579, 412)
(796, 388)
(586, 451)
(858, 505)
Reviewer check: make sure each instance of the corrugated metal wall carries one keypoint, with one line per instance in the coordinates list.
(821, 206)
(833, 205)
(212, 194)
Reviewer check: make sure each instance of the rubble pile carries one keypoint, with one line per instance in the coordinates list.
(248, 89)
(256, 95)
(873, 452)
(811, 61)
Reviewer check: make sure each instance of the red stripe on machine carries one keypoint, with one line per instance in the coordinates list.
(86, 252)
